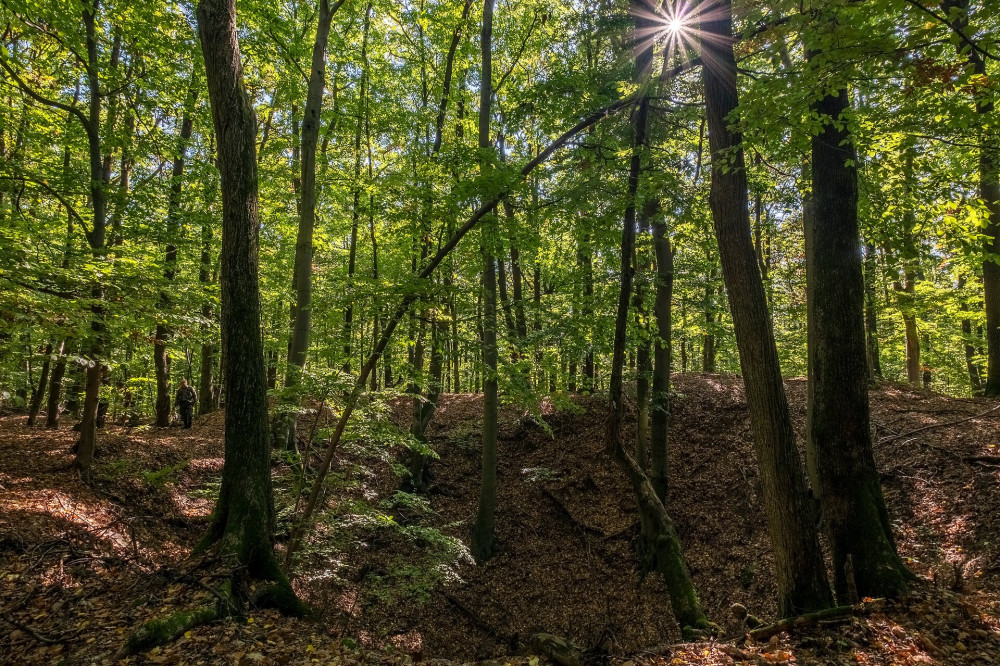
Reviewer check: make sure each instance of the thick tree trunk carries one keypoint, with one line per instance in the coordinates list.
(243, 518)
(483, 546)
(839, 439)
(800, 573)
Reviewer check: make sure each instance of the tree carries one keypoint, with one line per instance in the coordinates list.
(243, 519)
(302, 272)
(801, 576)
(842, 463)
(482, 533)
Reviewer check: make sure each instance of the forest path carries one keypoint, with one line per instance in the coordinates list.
(78, 564)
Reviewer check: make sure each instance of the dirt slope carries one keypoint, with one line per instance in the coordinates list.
(81, 566)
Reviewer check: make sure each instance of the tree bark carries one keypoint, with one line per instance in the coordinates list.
(989, 191)
(483, 546)
(659, 406)
(871, 313)
(161, 360)
(660, 547)
(243, 518)
(971, 364)
(800, 573)
(302, 269)
(97, 241)
(842, 463)
(55, 386)
(39, 393)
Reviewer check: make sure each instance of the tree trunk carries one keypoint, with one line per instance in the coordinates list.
(302, 269)
(97, 241)
(839, 439)
(483, 546)
(989, 192)
(871, 313)
(161, 360)
(660, 547)
(800, 573)
(39, 393)
(243, 518)
(55, 386)
(659, 406)
(971, 364)
(208, 392)
(708, 340)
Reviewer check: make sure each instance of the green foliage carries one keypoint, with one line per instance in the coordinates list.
(164, 475)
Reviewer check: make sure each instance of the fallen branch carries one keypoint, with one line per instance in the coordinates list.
(41, 638)
(569, 514)
(474, 616)
(989, 461)
(810, 619)
(939, 425)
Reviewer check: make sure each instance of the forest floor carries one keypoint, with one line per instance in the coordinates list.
(81, 566)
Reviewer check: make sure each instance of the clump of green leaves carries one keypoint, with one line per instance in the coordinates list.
(164, 475)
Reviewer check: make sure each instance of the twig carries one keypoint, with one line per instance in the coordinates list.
(23, 627)
(940, 425)
(474, 616)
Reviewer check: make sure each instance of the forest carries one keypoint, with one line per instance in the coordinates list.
(463, 331)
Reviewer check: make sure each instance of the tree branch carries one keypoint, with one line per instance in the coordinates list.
(26, 89)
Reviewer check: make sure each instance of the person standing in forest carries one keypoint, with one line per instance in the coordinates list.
(185, 400)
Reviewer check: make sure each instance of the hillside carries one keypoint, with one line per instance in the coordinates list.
(80, 567)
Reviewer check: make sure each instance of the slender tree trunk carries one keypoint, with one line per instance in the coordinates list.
(96, 239)
(55, 386)
(208, 392)
(660, 547)
(644, 363)
(989, 191)
(161, 360)
(302, 271)
(800, 573)
(975, 371)
(243, 518)
(362, 114)
(483, 546)
(842, 462)
(39, 393)
(708, 340)
(660, 400)
(871, 313)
